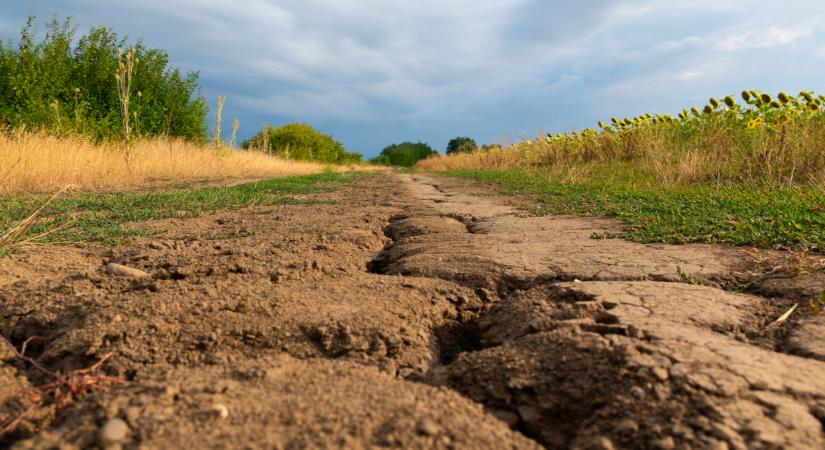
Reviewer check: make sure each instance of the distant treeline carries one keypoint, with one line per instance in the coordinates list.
(407, 154)
(62, 83)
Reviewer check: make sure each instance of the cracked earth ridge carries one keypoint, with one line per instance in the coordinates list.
(409, 314)
(602, 343)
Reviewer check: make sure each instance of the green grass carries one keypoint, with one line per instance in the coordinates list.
(791, 217)
(102, 217)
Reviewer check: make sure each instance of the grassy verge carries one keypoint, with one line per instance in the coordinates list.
(740, 214)
(101, 217)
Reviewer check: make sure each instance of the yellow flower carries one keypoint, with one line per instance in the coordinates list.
(755, 123)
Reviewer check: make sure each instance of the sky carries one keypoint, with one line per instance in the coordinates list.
(377, 72)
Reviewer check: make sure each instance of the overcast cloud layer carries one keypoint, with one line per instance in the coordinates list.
(374, 72)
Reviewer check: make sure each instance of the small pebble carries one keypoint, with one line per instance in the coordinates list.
(627, 426)
(602, 443)
(220, 410)
(112, 433)
(638, 392)
(428, 427)
(666, 443)
(124, 271)
(660, 373)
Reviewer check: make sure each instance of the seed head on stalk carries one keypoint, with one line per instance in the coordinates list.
(766, 99)
(730, 102)
(746, 96)
(784, 98)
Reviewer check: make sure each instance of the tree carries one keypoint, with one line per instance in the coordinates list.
(461, 145)
(302, 142)
(63, 83)
(405, 154)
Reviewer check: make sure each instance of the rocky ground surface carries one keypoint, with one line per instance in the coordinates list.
(413, 312)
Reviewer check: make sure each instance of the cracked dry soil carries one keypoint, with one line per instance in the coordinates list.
(412, 314)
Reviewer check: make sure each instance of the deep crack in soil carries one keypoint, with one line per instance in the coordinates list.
(412, 314)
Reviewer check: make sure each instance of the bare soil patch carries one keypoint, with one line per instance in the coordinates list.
(410, 313)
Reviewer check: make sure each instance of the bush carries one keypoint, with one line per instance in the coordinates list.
(62, 84)
(302, 142)
(405, 154)
(461, 145)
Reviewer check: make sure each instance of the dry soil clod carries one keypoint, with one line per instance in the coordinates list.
(124, 271)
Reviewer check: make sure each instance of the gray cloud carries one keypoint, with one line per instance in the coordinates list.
(377, 71)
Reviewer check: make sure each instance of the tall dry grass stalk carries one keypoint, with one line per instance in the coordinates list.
(38, 163)
(218, 121)
(265, 138)
(236, 124)
(125, 73)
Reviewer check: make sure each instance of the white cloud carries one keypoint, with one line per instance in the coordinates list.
(703, 71)
(689, 41)
(772, 37)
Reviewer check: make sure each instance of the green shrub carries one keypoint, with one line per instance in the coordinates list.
(302, 142)
(405, 154)
(461, 145)
(62, 83)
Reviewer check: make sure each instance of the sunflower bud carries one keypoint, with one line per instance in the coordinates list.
(713, 102)
(696, 112)
(708, 109)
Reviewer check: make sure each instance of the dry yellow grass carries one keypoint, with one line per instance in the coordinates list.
(37, 163)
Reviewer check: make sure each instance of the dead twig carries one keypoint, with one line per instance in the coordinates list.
(61, 388)
(784, 317)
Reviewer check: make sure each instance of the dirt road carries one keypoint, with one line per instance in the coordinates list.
(410, 313)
